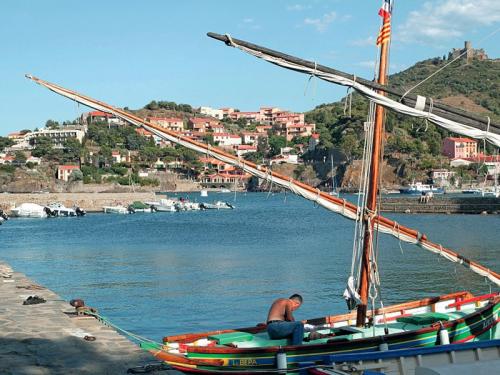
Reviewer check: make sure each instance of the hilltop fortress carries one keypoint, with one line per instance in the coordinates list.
(472, 54)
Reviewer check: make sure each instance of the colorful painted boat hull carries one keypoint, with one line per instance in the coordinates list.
(480, 324)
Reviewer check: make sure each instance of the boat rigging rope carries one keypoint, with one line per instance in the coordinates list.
(466, 50)
(371, 94)
(136, 337)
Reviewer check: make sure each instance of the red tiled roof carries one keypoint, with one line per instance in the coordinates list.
(143, 131)
(315, 136)
(460, 139)
(67, 167)
(167, 119)
(202, 120)
(100, 114)
(247, 147)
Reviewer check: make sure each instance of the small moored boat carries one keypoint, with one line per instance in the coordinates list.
(116, 210)
(59, 210)
(218, 205)
(29, 210)
(418, 188)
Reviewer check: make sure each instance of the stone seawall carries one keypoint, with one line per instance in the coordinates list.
(48, 338)
(91, 202)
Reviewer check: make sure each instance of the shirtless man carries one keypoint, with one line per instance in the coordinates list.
(280, 321)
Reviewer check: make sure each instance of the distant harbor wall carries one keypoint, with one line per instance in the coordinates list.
(91, 202)
(441, 204)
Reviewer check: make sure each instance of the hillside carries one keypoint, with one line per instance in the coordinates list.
(412, 146)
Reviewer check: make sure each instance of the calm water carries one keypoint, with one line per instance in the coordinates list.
(166, 273)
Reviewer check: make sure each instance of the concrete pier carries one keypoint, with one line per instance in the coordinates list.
(48, 338)
(441, 204)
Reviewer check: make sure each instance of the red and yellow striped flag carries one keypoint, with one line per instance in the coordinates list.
(385, 31)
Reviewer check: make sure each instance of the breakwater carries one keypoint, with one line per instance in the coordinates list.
(91, 202)
(49, 338)
(441, 205)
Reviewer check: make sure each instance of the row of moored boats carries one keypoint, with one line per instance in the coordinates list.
(166, 205)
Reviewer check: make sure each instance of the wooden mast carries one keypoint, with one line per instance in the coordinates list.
(371, 202)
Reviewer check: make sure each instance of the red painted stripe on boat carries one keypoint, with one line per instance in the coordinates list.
(470, 300)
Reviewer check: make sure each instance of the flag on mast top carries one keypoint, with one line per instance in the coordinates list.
(386, 9)
(385, 31)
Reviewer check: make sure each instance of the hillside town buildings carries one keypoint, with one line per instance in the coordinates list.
(456, 148)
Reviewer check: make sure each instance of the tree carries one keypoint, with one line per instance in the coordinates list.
(276, 143)
(350, 146)
(43, 146)
(20, 157)
(5, 142)
(51, 124)
(73, 149)
(76, 175)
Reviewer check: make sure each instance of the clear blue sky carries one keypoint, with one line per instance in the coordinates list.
(128, 53)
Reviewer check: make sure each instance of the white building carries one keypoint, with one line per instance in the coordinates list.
(226, 139)
(58, 136)
(209, 111)
(441, 177)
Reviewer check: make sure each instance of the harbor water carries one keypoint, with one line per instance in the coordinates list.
(166, 273)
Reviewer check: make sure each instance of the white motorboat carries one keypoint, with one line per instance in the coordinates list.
(218, 205)
(418, 188)
(185, 205)
(164, 205)
(116, 210)
(29, 210)
(59, 210)
(224, 190)
(204, 193)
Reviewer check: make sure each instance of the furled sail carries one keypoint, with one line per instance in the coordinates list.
(334, 204)
(454, 122)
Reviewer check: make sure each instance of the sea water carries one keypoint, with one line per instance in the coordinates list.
(166, 273)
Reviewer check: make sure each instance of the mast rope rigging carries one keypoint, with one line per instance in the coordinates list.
(333, 204)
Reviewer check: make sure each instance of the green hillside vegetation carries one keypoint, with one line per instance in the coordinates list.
(412, 146)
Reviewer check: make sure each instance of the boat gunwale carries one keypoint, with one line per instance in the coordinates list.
(364, 340)
(184, 338)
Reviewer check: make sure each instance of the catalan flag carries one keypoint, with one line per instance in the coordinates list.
(385, 31)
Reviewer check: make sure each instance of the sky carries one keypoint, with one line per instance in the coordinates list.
(128, 53)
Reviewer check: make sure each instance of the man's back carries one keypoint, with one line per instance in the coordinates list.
(280, 310)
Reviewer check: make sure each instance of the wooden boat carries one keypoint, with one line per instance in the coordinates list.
(458, 317)
(413, 324)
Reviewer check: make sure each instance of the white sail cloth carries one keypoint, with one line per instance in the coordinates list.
(382, 100)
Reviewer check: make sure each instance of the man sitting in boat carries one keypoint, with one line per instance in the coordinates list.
(280, 321)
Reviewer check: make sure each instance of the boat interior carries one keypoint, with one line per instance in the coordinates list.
(398, 321)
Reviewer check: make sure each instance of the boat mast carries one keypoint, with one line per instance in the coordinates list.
(371, 202)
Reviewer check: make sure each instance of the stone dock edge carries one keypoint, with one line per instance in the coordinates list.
(48, 338)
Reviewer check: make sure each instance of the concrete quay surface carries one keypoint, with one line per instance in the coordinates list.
(91, 202)
(48, 338)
